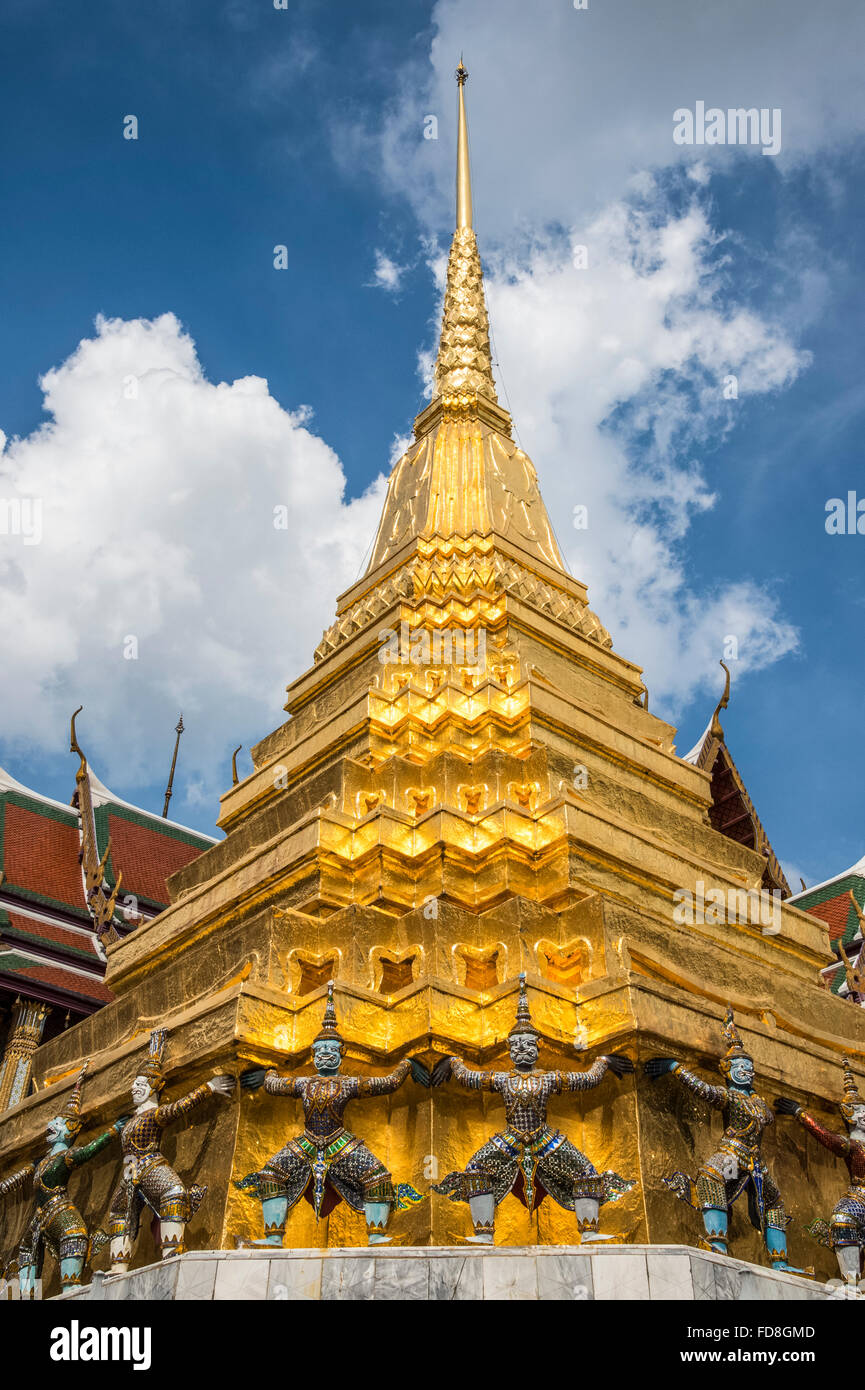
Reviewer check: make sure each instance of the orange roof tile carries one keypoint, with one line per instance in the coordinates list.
(835, 911)
(146, 857)
(40, 856)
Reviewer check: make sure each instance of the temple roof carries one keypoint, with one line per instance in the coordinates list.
(856, 870)
(732, 811)
(832, 903)
(48, 947)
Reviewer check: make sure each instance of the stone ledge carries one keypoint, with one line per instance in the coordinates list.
(424, 1273)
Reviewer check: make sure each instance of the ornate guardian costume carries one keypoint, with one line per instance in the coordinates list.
(148, 1178)
(737, 1165)
(529, 1157)
(57, 1223)
(846, 1227)
(745, 1118)
(327, 1163)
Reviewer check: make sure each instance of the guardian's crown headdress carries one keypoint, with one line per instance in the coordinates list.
(153, 1068)
(329, 1031)
(71, 1111)
(524, 1019)
(851, 1092)
(733, 1040)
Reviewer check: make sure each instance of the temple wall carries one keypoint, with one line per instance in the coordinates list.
(638, 1128)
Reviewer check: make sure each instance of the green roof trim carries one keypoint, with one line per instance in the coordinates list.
(838, 888)
(12, 963)
(11, 932)
(146, 821)
(33, 803)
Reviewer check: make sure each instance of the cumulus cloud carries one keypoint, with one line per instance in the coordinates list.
(566, 105)
(619, 388)
(387, 274)
(200, 519)
(616, 373)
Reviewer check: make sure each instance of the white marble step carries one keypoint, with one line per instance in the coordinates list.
(422, 1273)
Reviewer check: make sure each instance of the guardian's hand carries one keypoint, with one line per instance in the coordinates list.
(659, 1066)
(119, 1123)
(785, 1106)
(221, 1085)
(253, 1080)
(619, 1065)
(441, 1071)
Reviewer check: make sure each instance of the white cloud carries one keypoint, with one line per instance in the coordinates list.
(158, 522)
(700, 172)
(615, 375)
(565, 105)
(387, 274)
(618, 390)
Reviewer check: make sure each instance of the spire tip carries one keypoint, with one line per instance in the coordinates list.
(464, 183)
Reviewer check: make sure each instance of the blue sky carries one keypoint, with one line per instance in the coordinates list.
(233, 157)
(302, 127)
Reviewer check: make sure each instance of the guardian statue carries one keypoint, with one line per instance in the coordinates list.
(528, 1157)
(148, 1178)
(737, 1165)
(57, 1225)
(328, 1163)
(844, 1232)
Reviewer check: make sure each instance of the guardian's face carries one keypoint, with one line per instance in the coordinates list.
(523, 1048)
(857, 1119)
(141, 1090)
(327, 1056)
(56, 1130)
(741, 1071)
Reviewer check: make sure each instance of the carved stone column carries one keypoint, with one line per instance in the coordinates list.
(25, 1035)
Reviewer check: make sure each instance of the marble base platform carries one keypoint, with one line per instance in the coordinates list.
(560, 1273)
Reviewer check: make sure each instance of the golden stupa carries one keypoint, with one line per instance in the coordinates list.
(421, 831)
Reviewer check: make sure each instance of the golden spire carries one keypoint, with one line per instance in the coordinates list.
(464, 365)
(464, 477)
